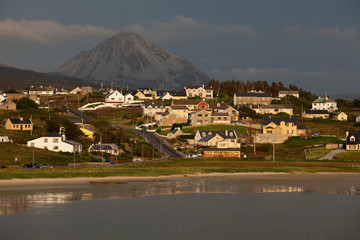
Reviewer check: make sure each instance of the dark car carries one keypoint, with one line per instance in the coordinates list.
(2, 165)
(45, 165)
(31, 165)
(109, 161)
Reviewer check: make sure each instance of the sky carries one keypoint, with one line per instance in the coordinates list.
(312, 44)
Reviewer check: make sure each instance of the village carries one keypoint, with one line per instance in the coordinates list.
(113, 125)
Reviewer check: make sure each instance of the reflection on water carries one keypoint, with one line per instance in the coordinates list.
(15, 201)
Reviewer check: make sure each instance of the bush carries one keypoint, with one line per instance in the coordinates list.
(26, 103)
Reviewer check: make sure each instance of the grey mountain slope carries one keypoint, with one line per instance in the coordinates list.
(129, 60)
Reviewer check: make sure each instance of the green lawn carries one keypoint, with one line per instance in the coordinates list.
(318, 153)
(348, 156)
(296, 142)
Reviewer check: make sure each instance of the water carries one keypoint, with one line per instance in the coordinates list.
(273, 207)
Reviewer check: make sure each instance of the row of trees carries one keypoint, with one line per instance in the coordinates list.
(230, 87)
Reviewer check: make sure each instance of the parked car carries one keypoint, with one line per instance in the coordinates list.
(109, 161)
(2, 165)
(45, 165)
(31, 165)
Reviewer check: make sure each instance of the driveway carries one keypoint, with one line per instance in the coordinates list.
(332, 154)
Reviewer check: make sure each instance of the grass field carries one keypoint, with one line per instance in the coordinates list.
(348, 156)
(186, 166)
(316, 154)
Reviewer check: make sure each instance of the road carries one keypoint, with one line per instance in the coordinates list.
(79, 114)
(332, 154)
(161, 144)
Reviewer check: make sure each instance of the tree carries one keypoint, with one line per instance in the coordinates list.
(26, 103)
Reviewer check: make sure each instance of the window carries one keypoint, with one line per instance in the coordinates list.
(352, 139)
(45, 140)
(55, 140)
(56, 147)
(32, 144)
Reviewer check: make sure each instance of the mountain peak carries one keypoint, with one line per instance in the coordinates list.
(127, 59)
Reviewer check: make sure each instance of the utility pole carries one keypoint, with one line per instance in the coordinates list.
(102, 153)
(142, 152)
(74, 156)
(273, 150)
(33, 157)
(255, 144)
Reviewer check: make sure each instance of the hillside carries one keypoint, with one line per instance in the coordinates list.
(20, 79)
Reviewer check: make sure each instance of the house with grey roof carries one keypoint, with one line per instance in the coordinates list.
(325, 103)
(252, 98)
(110, 148)
(353, 141)
(55, 142)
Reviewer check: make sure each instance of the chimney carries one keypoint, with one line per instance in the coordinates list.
(347, 133)
(63, 137)
(21, 119)
(226, 132)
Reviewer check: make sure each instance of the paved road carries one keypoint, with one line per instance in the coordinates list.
(161, 144)
(80, 114)
(332, 154)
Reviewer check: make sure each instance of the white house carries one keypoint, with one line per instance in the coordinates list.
(151, 109)
(201, 91)
(283, 94)
(4, 139)
(55, 142)
(115, 97)
(325, 104)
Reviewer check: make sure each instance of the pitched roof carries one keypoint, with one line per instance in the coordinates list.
(73, 143)
(277, 121)
(316, 112)
(324, 100)
(19, 121)
(53, 134)
(230, 134)
(209, 137)
(153, 105)
(356, 140)
(253, 94)
(179, 107)
(277, 106)
(220, 149)
(221, 105)
(104, 146)
(186, 101)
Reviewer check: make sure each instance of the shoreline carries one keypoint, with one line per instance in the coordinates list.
(82, 180)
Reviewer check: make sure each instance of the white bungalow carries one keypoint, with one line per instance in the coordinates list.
(55, 142)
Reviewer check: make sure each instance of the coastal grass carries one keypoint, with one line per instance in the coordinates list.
(318, 153)
(348, 156)
(185, 167)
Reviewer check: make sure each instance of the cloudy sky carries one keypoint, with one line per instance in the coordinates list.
(313, 44)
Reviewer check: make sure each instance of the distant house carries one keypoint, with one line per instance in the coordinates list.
(210, 140)
(221, 153)
(252, 98)
(169, 95)
(275, 109)
(284, 126)
(199, 91)
(4, 139)
(76, 90)
(191, 104)
(234, 114)
(19, 124)
(201, 117)
(316, 114)
(7, 105)
(283, 94)
(341, 116)
(169, 119)
(55, 142)
(151, 109)
(353, 141)
(42, 90)
(217, 107)
(86, 90)
(115, 97)
(175, 133)
(222, 118)
(325, 104)
(205, 137)
(357, 119)
(110, 148)
(180, 110)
